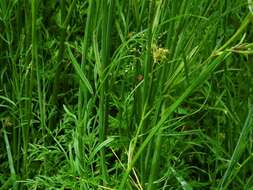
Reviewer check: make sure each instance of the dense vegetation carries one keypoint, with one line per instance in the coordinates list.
(126, 94)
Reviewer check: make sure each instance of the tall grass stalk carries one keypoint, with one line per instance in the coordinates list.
(107, 12)
(10, 159)
(27, 125)
(83, 96)
(147, 84)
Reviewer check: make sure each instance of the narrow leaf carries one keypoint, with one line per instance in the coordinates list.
(7, 100)
(79, 71)
(100, 146)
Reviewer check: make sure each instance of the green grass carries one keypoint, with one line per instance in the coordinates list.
(126, 94)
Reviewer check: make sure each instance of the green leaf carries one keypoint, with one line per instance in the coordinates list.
(79, 71)
(7, 100)
(99, 147)
(181, 180)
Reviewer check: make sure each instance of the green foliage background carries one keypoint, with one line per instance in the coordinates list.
(126, 94)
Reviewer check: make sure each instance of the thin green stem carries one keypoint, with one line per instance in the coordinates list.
(107, 12)
(147, 81)
(11, 163)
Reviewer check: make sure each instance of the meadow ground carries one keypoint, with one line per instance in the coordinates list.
(126, 94)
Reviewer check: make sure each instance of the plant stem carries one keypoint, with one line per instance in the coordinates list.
(147, 82)
(107, 12)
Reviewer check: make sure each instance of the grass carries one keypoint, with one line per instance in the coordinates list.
(126, 94)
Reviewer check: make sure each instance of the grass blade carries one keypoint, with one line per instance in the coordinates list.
(247, 128)
(79, 71)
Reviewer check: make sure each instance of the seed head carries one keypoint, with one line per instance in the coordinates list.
(159, 54)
